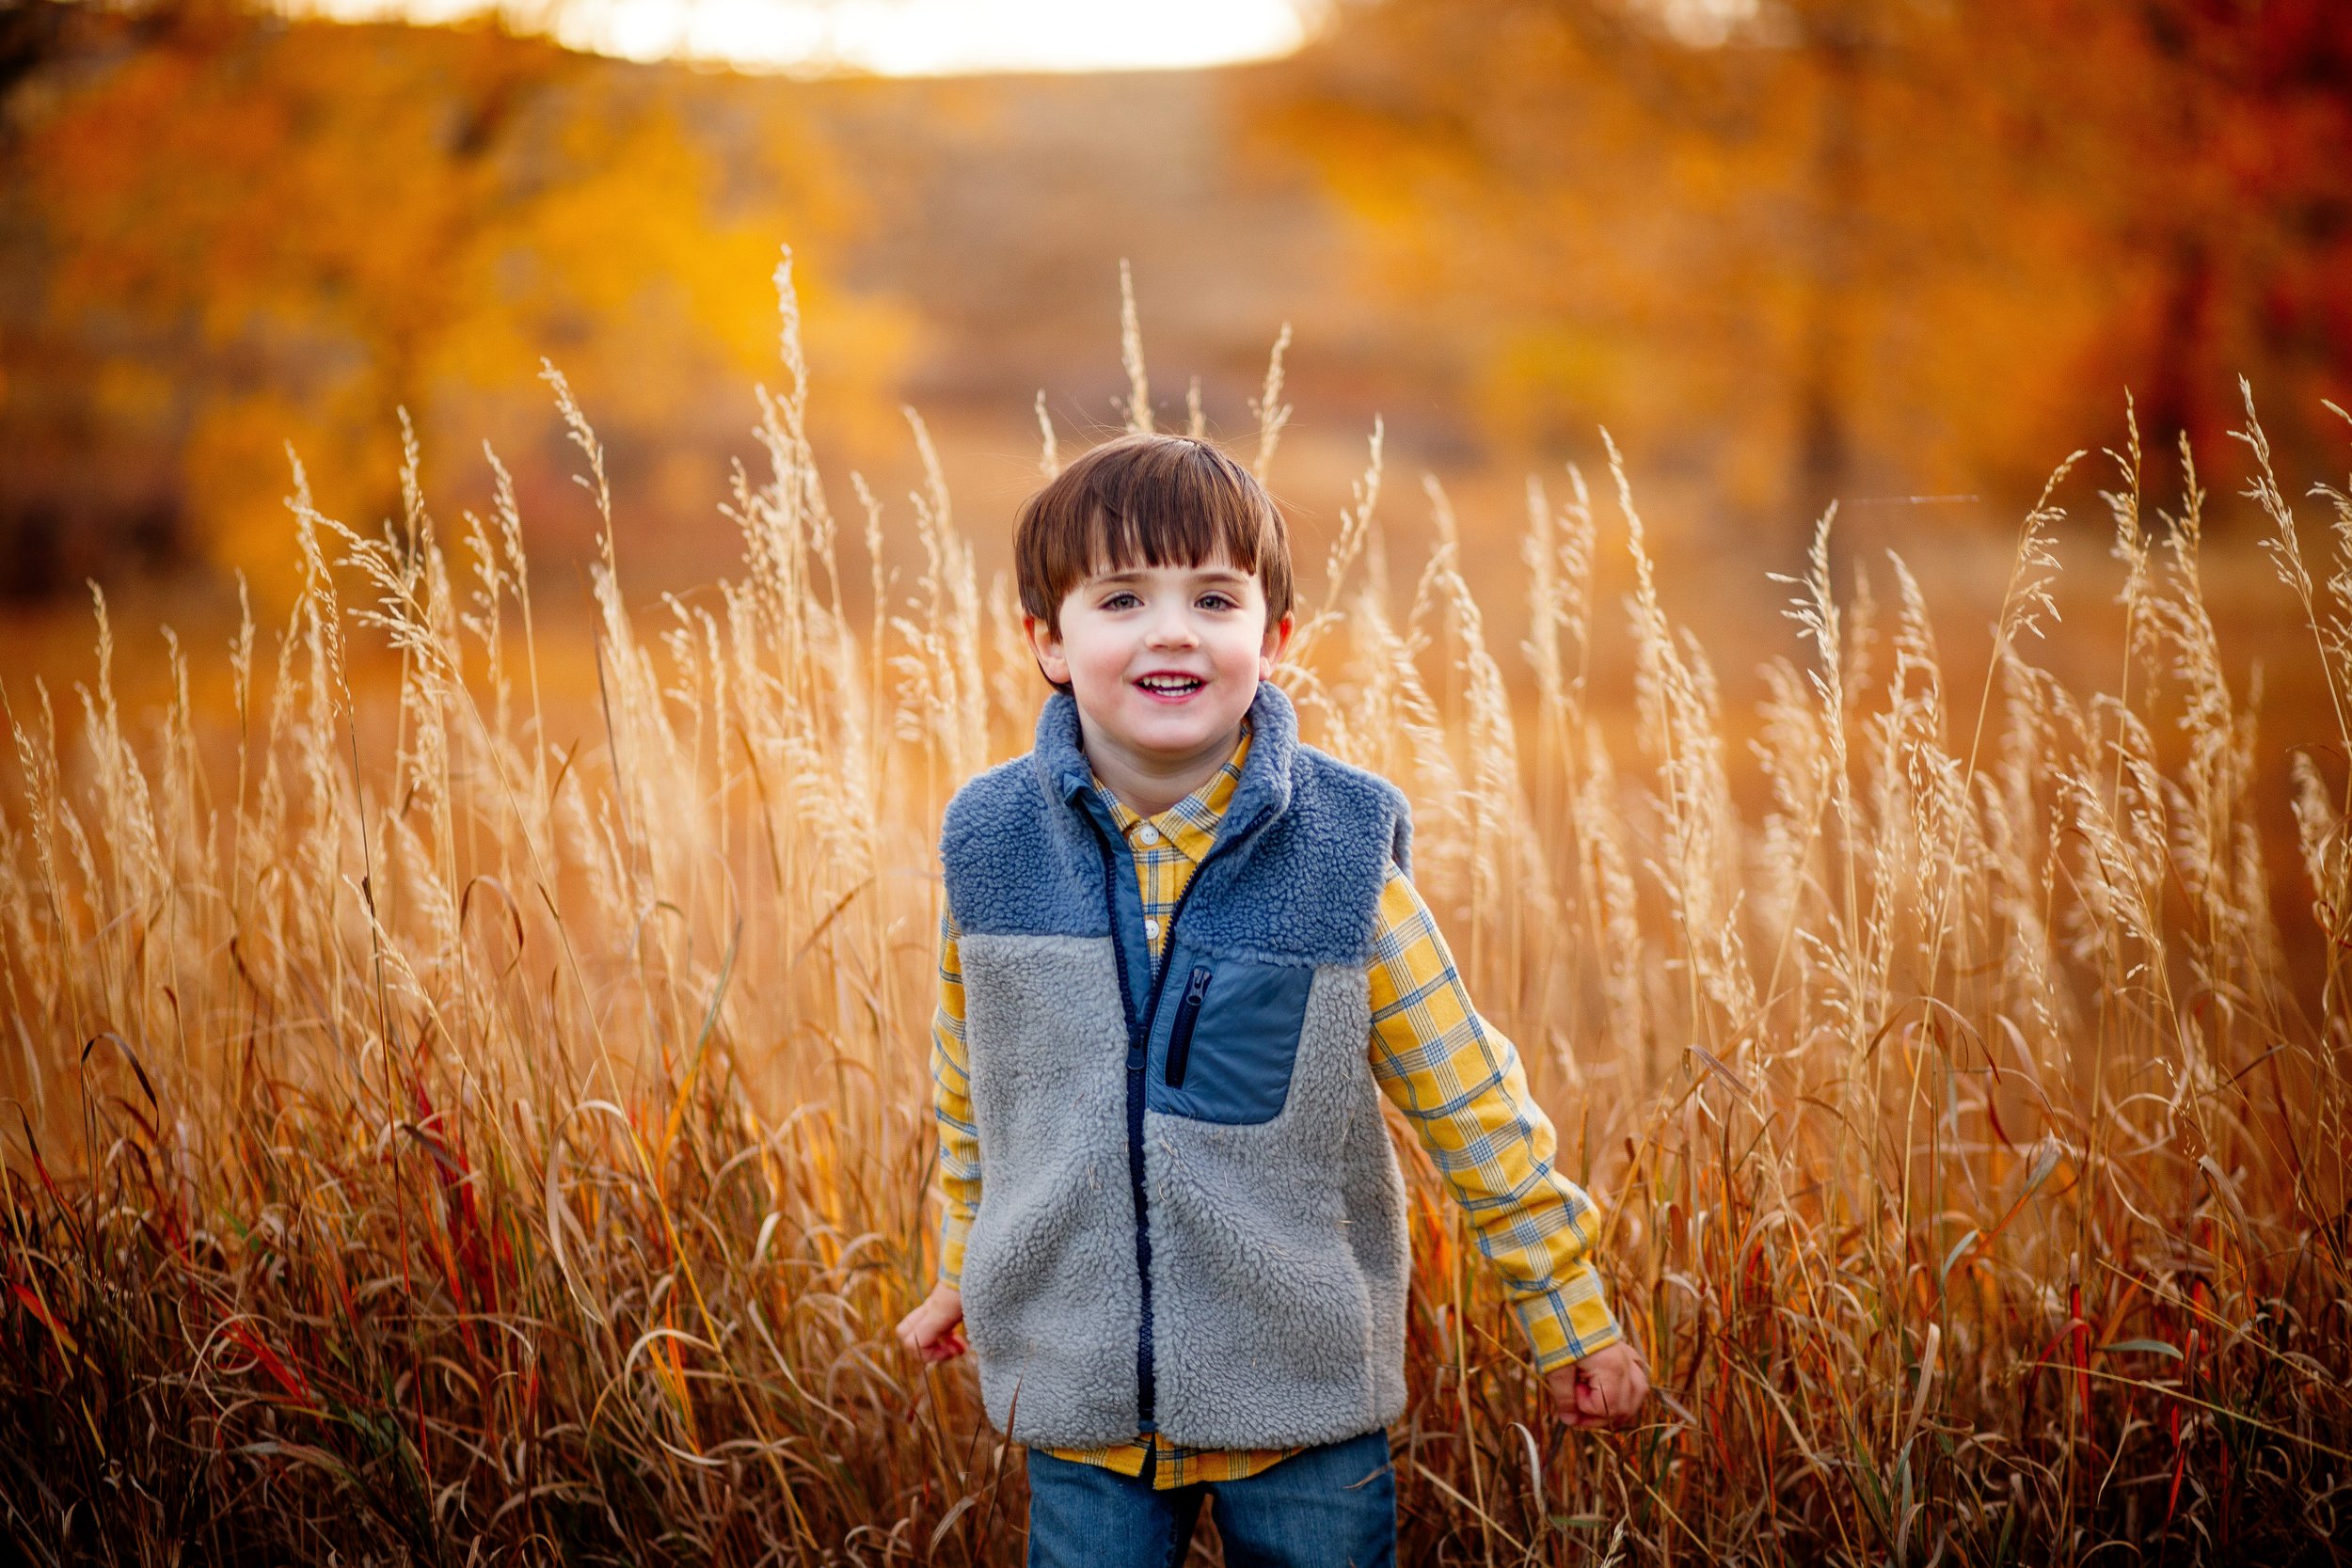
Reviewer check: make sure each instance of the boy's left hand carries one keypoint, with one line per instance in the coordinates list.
(1605, 1389)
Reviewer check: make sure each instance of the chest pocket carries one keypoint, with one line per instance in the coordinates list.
(1226, 1038)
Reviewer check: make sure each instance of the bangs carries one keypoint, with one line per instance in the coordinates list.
(1149, 501)
(1187, 515)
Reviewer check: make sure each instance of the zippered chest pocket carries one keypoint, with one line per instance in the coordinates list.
(1187, 1020)
(1226, 1039)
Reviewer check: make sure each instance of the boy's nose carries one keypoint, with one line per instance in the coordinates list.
(1171, 630)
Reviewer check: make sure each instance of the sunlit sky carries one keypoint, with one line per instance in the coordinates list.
(898, 38)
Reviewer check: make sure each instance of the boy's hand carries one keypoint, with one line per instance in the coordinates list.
(934, 1330)
(1605, 1389)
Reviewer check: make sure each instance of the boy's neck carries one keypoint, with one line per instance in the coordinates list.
(1149, 784)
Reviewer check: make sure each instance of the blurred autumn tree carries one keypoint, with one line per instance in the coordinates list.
(221, 230)
(1811, 246)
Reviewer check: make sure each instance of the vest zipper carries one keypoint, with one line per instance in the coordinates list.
(1138, 1055)
(1138, 1052)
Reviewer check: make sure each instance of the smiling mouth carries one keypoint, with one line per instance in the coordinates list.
(1170, 688)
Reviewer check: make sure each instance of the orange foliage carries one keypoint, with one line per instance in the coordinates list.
(1852, 243)
(1851, 248)
(258, 232)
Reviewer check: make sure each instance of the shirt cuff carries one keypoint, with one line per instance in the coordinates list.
(953, 1231)
(1569, 1321)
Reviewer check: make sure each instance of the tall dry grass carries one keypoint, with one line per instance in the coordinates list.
(452, 1130)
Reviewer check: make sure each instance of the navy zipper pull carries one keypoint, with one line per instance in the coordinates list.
(1187, 1015)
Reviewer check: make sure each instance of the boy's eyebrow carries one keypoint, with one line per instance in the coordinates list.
(1133, 573)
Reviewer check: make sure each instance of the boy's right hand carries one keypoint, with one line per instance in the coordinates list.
(934, 1330)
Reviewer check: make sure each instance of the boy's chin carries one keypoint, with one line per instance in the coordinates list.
(1180, 731)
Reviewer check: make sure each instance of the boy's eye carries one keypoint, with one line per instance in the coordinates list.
(1218, 601)
(1122, 599)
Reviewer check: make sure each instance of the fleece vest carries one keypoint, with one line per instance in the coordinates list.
(1191, 1220)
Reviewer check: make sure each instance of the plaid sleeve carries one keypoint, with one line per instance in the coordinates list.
(1461, 1085)
(951, 1107)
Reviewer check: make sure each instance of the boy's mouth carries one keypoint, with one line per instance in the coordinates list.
(1168, 687)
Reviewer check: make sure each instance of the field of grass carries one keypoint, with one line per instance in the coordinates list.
(449, 1125)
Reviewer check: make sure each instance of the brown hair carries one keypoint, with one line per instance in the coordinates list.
(1154, 500)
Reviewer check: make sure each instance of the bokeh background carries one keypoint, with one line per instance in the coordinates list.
(1900, 255)
(1904, 255)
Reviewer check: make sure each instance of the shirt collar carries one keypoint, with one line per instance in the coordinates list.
(1263, 791)
(1190, 825)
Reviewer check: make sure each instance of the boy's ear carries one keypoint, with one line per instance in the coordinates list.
(1045, 648)
(1278, 639)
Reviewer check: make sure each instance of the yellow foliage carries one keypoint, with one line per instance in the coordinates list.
(283, 231)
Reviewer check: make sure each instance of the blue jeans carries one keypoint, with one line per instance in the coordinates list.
(1327, 1507)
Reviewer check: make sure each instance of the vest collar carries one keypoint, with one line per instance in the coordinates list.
(1264, 787)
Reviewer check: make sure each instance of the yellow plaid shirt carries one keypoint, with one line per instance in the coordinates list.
(1458, 1081)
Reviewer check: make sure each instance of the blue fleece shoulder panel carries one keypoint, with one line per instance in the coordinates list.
(1304, 888)
(1013, 862)
(1361, 791)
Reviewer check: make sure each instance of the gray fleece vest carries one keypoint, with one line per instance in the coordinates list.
(1191, 1220)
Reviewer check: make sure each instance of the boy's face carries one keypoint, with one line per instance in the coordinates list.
(1164, 660)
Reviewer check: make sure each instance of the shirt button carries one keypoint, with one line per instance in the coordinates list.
(1148, 834)
(1150, 926)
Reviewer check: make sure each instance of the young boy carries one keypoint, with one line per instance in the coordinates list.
(1181, 966)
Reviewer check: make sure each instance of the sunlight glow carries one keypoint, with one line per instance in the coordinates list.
(894, 38)
(1706, 24)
